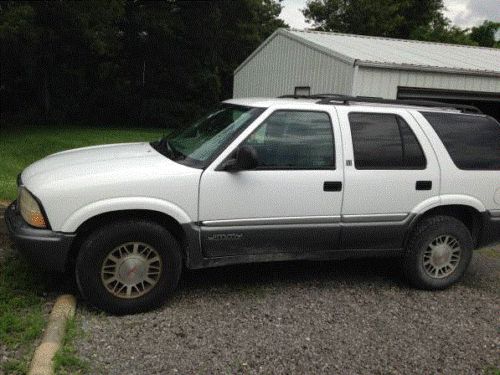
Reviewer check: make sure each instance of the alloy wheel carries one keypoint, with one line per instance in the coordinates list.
(131, 270)
(442, 256)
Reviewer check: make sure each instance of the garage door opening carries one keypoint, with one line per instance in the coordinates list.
(487, 102)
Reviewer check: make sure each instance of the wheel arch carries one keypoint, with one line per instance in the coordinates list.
(161, 218)
(467, 214)
(93, 209)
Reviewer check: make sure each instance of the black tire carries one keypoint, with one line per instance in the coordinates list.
(423, 235)
(102, 241)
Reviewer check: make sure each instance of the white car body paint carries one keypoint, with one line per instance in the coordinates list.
(76, 185)
(122, 204)
(271, 193)
(497, 197)
(462, 186)
(386, 191)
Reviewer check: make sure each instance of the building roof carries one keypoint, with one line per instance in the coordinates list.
(398, 53)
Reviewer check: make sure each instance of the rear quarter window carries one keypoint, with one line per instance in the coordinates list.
(473, 142)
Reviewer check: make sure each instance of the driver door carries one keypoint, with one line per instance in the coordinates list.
(291, 202)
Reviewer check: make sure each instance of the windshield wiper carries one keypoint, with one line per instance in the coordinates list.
(164, 146)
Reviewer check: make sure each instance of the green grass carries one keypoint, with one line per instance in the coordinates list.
(22, 316)
(21, 292)
(492, 370)
(22, 319)
(66, 360)
(16, 367)
(491, 253)
(21, 311)
(21, 147)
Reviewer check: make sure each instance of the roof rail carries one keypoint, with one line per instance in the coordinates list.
(347, 100)
(314, 96)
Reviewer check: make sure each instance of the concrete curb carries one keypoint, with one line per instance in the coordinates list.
(63, 309)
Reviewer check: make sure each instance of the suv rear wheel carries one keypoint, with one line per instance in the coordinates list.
(438, 253)
(128, 266)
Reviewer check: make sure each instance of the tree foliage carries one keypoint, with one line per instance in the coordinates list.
(484, 34)
(154, 63)
(406, 19)
(394, 18)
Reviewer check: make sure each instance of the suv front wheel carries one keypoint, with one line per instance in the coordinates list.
(128, 266)
(438, 253)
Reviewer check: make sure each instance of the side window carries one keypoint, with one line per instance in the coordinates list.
(384, 141)
(473, 142)
(294, 140)
(413, 156)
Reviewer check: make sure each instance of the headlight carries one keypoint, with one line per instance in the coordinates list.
(30, 209)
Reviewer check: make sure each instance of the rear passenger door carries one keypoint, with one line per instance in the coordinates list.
(390, 169)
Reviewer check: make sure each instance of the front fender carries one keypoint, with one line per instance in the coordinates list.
(89, 211)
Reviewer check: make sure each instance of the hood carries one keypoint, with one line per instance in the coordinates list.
(79, 180)
(124, 160)
(86, 156)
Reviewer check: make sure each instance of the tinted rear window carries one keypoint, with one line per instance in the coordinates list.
(384, 141)
(473, 142)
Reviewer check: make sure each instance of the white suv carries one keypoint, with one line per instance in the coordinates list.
(265, 180)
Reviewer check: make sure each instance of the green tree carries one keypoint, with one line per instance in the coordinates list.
(246, 24)
(391, 18)
(441, 30)
(484, 34)
(406, 19)
(155, 63)
(48, 49)
(189, 51)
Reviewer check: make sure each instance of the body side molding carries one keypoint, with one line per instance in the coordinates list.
(371, 218)
(495, 213)
(272, 221)
(374, 218)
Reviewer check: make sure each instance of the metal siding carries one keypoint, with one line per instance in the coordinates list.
(385, 82)
(283, 63)
(412, 53)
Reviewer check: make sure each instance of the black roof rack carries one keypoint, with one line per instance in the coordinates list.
(314, 96)
(346, 100)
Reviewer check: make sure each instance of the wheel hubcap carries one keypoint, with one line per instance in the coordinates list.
(442, 256)
(131, 270)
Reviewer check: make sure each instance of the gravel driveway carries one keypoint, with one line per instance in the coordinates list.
(343, 317)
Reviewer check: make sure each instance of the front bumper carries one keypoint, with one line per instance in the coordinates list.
(490, 233)
(44, 248)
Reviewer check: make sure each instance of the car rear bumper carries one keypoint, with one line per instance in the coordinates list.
(44, 248)
(491, 228)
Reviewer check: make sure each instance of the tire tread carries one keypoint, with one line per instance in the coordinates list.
(422, 230)
(97, 241)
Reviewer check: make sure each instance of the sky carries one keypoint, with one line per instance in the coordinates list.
(463, 13)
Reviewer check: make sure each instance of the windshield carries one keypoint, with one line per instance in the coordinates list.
(198, 144)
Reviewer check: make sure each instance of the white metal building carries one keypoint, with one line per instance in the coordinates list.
(292, 61)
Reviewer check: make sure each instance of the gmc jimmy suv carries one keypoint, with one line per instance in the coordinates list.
(260, 180)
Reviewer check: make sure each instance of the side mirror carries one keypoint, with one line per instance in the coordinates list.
(246, 158)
